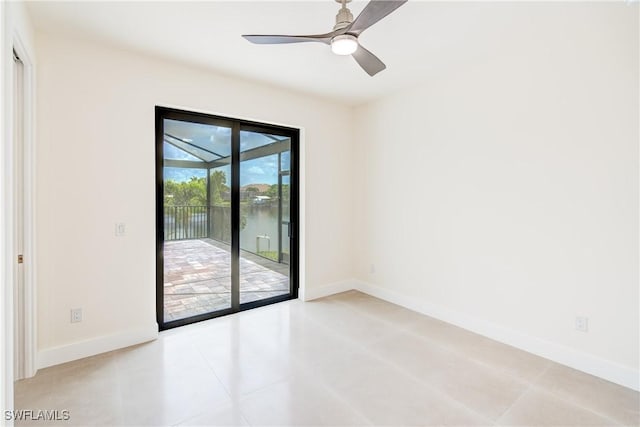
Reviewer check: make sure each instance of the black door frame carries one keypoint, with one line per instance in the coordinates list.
(236, 125)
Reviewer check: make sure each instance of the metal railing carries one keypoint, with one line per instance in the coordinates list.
(186, 222)
(214, 222)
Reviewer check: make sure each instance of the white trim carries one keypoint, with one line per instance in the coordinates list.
(29, 169)
(608, 370)
(229, 115)
(611, 371)
(6, 297)
(81, 349)
(329, 289)
(302, 222)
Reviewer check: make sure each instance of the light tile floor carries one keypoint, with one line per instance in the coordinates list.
(349, 359)
(197, 278)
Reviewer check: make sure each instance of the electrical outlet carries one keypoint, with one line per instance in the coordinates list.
(120, 229)
(582, 324)
(372, 269)
(76, 315)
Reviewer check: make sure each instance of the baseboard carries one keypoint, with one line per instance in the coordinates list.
(567, 356)
(329, 289)
(81, 349)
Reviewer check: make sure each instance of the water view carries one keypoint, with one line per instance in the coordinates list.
(261, 228)
(200, 274)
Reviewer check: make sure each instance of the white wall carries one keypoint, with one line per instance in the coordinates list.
(504, 196)
(16, 29)
(96, 168)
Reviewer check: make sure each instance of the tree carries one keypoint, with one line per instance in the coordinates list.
(273, 191)
(186, 193)
(217, 184)
(193, 193)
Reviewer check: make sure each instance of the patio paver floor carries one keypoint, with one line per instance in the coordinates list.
(197, 278)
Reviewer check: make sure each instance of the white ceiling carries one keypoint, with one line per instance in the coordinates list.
(418, 40)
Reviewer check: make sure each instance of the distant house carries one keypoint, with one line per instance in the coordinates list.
(261, 200)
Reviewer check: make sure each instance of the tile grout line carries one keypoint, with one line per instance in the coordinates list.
(523, 393)
(506, 412)
(365, 347)
(530, 383)
(533, 386)
(432, 388)
(327, 387)
(408, 374)
(323, 383)
(235, 400)
(405, 328)
(313, 328)
(556, 396)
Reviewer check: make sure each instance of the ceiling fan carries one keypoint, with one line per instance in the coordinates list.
(344, 37)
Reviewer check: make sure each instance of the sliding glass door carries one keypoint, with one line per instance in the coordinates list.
(264, 201)
(226, 202)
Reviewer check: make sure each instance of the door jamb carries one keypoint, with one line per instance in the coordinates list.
(28, 322)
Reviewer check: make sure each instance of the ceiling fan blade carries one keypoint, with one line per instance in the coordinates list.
(268, 39)
(374, 11)
(368, 61)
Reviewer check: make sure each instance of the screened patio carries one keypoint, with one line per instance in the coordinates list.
(197, 218)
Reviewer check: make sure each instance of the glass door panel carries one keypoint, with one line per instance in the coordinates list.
(226, 210)
(264, 270)
(285, 220)
(196, 248)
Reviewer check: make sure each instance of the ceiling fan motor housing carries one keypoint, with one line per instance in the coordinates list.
(343, 18)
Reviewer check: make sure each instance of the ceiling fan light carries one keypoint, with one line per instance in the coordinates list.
(344, 44)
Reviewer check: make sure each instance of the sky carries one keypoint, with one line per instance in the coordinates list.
(217, 139)
(263, 170)
(258, 171)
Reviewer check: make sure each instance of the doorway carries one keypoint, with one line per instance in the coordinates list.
(18, 232)
(22, 220)
(226, 215)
